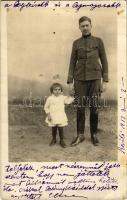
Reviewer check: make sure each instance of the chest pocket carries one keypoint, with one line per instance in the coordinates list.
(92, 51)
(81, 52)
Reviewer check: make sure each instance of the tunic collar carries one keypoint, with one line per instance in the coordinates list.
(86, 36)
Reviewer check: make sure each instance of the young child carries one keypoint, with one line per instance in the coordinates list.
(55, 110)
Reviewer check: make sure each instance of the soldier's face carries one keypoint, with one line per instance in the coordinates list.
(85, 27)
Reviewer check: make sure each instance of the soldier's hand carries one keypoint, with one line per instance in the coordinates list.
(104, 86)
(71, 89)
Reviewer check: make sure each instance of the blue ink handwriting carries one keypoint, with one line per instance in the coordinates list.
(18, 168)
(57, 180)
(123, 109)
(76, 5)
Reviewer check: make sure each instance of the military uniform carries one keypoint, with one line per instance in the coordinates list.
(88, 64)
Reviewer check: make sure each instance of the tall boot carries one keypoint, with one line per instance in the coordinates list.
(80, 126)
(93, 126)
(62, 143)
(54, 133)
(80, 120)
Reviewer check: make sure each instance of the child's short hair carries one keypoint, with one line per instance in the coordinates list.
(54, 85)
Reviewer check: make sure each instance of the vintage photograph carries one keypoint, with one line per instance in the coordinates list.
(62, 85)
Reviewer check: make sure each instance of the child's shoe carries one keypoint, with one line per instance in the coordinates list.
(53, 141)
(62, 143)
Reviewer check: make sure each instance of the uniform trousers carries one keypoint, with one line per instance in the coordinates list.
(87, 94)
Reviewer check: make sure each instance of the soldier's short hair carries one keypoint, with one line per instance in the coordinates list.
(84, 18)
(54, 85)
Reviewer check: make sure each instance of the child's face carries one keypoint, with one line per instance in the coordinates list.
(57, 91)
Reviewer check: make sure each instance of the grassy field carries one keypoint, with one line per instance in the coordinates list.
(29, 137)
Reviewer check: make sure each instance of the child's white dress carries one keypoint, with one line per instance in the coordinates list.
(55, 105)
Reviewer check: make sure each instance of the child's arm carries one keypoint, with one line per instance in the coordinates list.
(47, 108)
(68, 99)
(47, 105)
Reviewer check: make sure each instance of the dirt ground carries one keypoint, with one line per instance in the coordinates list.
(29, 137)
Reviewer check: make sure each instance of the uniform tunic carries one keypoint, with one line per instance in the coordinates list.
(55, 105)
(88, 60)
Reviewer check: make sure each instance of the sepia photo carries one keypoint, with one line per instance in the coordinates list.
(39, 48)
(63, 100)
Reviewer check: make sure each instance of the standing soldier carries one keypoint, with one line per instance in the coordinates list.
(88, 65)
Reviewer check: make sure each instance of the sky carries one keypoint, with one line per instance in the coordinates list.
(39, 41)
